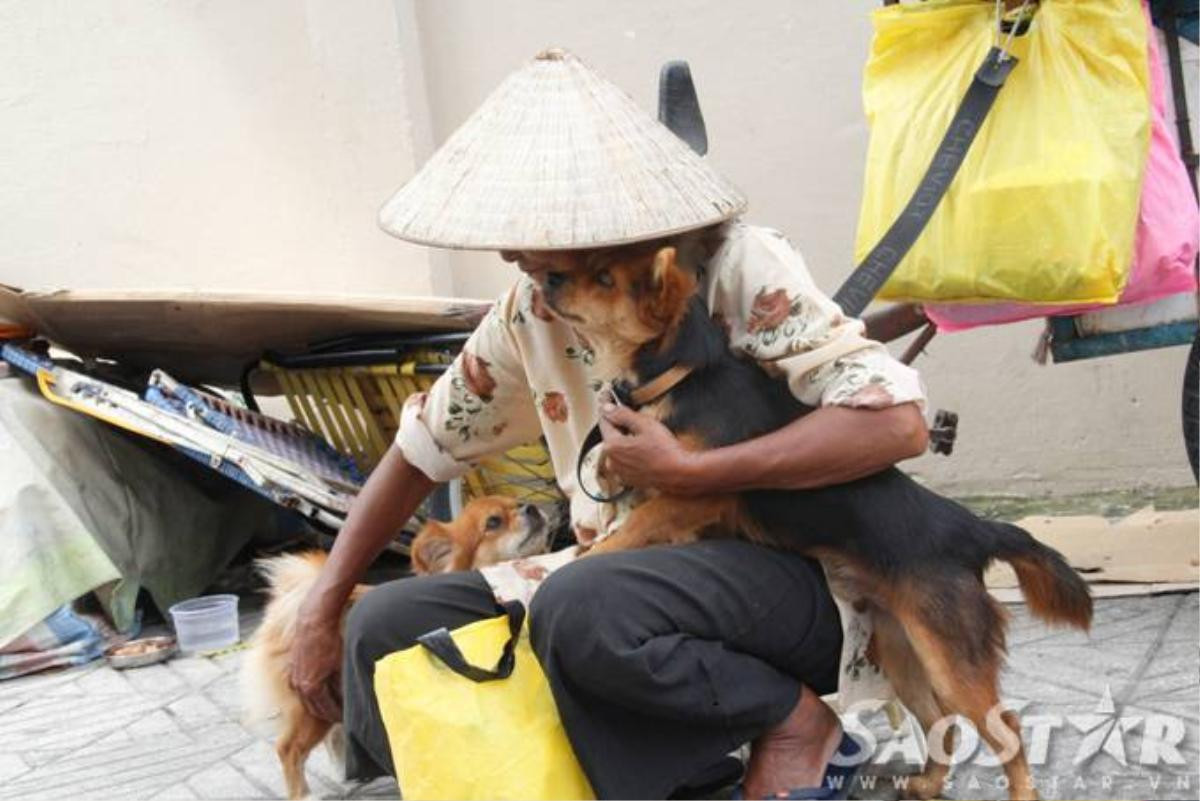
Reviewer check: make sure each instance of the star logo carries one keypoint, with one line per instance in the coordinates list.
(1103, 730)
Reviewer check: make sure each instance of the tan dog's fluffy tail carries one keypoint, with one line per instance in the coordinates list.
(265, 667)
(291, 572)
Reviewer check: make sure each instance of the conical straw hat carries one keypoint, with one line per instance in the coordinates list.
(558, 158)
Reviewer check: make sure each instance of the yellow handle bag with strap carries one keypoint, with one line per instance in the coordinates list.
(1045, 205)
(460, 731)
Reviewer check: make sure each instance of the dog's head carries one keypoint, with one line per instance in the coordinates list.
(620, 299)
(490, 530)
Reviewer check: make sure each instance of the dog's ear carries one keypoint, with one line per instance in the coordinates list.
(673, 285)
(432, 549)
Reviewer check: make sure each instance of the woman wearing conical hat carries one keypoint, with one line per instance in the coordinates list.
(665, 659)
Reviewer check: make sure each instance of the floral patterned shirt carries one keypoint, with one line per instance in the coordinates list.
(525, 373)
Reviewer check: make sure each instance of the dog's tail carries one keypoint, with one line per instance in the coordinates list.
(263, 673)
(290, 573)
(1054, 591)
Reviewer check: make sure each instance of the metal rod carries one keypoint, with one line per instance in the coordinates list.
(893, 322)
(918, 344)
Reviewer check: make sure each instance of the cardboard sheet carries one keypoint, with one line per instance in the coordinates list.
(1012, 595)
(207, 337)
(1148, 551)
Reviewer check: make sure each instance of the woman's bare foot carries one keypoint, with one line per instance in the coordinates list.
(795, 752)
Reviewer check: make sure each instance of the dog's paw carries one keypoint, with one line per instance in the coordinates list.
(924, 787)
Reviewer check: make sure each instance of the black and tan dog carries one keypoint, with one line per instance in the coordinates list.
(915, 558)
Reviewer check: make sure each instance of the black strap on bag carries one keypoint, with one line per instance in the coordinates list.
(869, 276)
(442, 645)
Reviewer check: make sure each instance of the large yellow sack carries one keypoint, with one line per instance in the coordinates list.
(1045, 205)
(455, 738)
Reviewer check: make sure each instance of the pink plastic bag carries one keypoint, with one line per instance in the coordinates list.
(1166, 240)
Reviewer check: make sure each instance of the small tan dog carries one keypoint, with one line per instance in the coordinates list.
(490, 530)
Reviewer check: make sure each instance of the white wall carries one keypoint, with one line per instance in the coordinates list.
(206, 145)
(250, 143)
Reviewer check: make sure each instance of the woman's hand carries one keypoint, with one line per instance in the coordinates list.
(392, 493)
(639, 451)
(316, 662)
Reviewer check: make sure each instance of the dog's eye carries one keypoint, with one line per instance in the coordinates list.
(604, 278)
(494, 522)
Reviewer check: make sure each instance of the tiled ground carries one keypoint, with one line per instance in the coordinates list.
(1144, 654)
(172, 731)
(168, 731)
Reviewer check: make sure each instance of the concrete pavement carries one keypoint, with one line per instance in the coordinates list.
(1129, 691)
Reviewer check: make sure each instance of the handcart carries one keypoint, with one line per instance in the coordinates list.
(1171, 322)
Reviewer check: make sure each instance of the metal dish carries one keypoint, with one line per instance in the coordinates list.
(138, 653)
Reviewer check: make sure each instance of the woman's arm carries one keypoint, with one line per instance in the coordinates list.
(480, 406)
(867, 416)
(830, 445)
(389, 498)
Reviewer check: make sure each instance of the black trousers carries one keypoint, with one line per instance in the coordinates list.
(660, 660)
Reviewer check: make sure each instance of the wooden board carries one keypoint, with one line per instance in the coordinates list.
(207, 337)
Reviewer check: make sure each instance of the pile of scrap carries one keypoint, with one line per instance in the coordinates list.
(128, 442)
(211, 339)
(283, 462)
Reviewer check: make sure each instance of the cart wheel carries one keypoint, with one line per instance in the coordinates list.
(1191, 425)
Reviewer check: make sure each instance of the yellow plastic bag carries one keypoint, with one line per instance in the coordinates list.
(497, 736)
(1045, 205)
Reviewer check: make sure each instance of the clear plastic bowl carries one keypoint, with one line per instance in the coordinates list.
(206, 623)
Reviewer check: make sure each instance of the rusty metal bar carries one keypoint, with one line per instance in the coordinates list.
(893, 322)
(918, 344)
